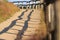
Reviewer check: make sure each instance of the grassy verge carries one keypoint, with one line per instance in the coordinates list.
(7, 10)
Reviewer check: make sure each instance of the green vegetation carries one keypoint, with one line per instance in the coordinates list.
(7, 10)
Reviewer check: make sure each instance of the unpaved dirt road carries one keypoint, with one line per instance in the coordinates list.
(27, 26)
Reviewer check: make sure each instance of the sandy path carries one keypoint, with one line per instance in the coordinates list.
(22, 27)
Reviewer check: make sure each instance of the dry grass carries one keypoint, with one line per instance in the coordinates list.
(7, 10)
